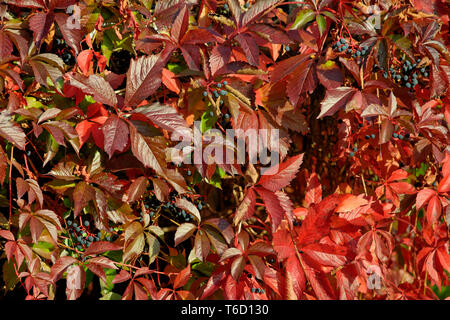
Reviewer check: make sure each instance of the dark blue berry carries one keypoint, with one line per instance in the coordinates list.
(372, 136)
(405, 77)
(425, 74)
(225, 82)
(86, 223)
(189, 172)
(367, 137)
(108, 238)
(352, 154)
(408, 85)
(69, 222)
(91, 238)
(223, 92)
(363, 52)
(75, 224)
(77, 229)
(287, 48)
(211, 114)
(400, 137)
(395, 135)
(358, 53)
(219, 85)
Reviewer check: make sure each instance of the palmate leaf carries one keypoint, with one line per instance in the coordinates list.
(279, 176)
(336, 99)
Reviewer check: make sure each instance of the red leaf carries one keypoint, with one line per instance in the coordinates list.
(96, 86)
(279, 176)
(137, 189)
(163, 116)
(295, 278)
(250, 47)
(170, 81)
(7, 235)
(143, 79)
(273, 207)
(313, 192)
(246, 208)
(100, 247)
(182, 277)
(60, 266)
(11, 131)
(40, 24)
(82, 194)
(115, 131)
(336, 99)
(85, 61)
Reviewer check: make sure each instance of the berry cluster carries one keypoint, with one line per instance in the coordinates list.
(257, 290)
(342, 45)
(80, 235)
(170, 209)
(401, 136)
(406, 73)
(218, 91)
(63, 50)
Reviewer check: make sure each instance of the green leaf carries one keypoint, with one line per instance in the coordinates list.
(154, 247)
(303, 17)
(208, 121)
(111, 296)
(321, 23)
(175, 67)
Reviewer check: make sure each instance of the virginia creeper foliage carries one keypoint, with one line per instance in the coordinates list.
(93, 206)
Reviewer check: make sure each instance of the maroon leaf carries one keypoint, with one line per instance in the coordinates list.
(143, 79)
(116, 133)
(336, 99)
(82, 194)
(137, 189)
(250, 47)
(11, 131)
(40, 24)
(142, 151)
(330, 75)
(60, 266)
(96, 86)
(100, 247)
(163, 116)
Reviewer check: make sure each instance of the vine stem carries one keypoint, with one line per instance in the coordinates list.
(20, 279)
(10, 188)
